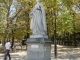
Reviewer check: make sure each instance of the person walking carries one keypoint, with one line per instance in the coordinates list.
(7, 50)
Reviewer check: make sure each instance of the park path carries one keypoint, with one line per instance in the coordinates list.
(16, 56)
(66, 53)
(63, 53)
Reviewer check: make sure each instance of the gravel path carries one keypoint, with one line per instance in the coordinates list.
(63, 53)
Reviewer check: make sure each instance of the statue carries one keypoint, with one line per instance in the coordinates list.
(38, 19)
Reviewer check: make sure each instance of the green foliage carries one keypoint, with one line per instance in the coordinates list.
(20, 25)
(65, 24)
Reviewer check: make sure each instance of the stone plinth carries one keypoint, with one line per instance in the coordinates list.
(38, 49)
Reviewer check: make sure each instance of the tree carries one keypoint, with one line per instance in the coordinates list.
(17, 22)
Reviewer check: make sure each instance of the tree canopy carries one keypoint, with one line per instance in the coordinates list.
(15, 21)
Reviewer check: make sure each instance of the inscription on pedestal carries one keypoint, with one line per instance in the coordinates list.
(34, 46)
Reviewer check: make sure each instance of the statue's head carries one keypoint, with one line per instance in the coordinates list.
(37, 0)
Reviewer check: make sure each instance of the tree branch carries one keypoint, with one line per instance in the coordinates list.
(8, 19)
(10, 3)
(16, 14)
(5, 4)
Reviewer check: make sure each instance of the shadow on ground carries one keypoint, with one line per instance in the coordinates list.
(66, 53)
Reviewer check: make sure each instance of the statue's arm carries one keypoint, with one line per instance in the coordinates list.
(31, 14)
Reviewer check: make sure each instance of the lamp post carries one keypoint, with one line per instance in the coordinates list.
(55, 42)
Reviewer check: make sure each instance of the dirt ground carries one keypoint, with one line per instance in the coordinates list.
(63, 53)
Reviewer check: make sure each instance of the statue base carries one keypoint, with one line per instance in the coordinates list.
(38, 49)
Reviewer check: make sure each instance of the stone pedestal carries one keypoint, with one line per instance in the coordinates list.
(38, 49)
